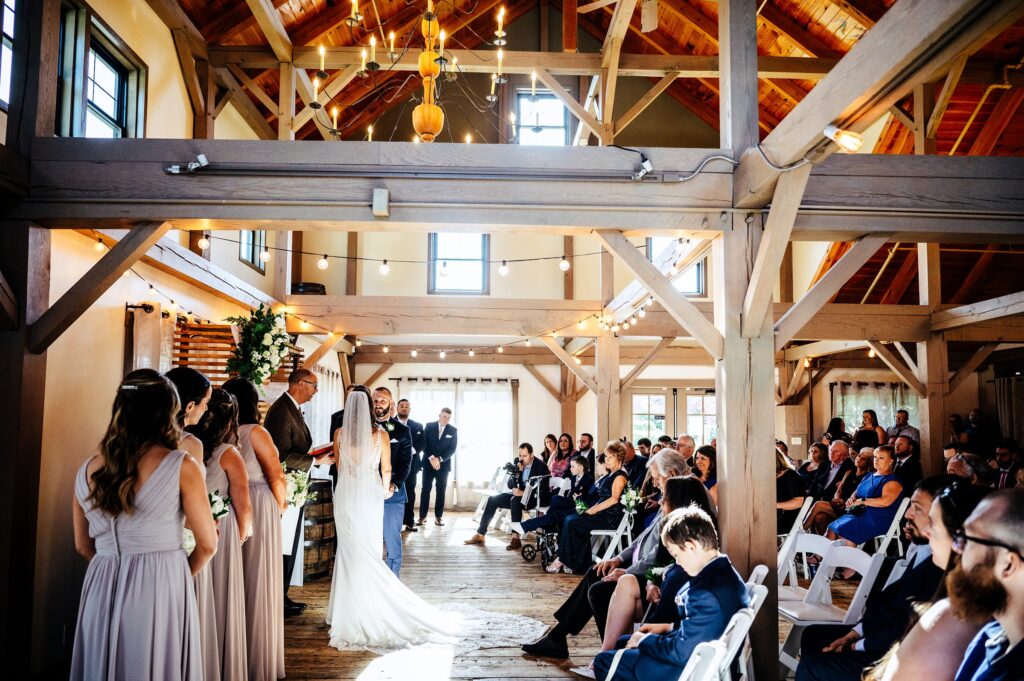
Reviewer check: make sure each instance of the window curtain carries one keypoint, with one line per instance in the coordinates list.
(485, 430)
(1010, 407)
(326, 401)
(851, 399)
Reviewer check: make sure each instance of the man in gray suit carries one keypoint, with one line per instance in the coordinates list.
(290, 433)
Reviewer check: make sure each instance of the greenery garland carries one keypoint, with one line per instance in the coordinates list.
(263, 344)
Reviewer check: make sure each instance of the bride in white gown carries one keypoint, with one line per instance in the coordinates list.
(369, 607)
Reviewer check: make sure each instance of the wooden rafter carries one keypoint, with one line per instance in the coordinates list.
(800, 36)
(980, 268)
(983, 310)
(536, 373)
(1003, 112)
(945, 95)
(902, 280)
(622, 17)
(570, 363)
(634, 374)
(901, 370)
(975, 361)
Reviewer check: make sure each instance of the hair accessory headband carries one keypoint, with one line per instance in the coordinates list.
(129, 387)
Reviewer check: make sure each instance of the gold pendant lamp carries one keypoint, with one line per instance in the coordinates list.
(427, 117)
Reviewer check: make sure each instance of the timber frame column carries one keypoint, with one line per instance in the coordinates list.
(932, 365)
(606, 358)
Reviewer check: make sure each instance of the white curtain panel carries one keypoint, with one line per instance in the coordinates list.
(851, 399)
(328, 399)
(1010, 407)
(485, 430)
(427, 400)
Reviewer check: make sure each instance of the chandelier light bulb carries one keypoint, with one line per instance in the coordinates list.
(503, 270)
(807, 362)
(384, 269)
(563, 264)
(469, 138)
(204, 242)
(264, 255)
(99, 245)
(322, 262)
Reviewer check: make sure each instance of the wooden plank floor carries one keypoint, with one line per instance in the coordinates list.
(441, 569)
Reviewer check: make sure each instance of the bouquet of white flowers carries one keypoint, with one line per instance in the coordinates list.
(297, 483)
(630, 498)
(219, 506)
(581, 506)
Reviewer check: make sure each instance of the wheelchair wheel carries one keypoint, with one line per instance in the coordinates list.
(529, 552)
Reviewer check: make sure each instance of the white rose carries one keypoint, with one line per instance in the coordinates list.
(188, 542)
(279, 322)
(266, 354)
(284, 352)
(268, 339)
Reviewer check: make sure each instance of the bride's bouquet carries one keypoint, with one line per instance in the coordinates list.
(297, 484)
(630, 499)
(219, 506)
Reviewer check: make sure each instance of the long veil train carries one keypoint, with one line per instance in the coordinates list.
(369, 607)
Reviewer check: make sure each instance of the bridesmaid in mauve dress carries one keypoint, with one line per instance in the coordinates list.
(261, 554)
(137, 617)
(226, 476)
(194, 393)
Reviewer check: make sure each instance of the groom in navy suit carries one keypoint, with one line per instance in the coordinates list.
(439, 443)
(401, 464)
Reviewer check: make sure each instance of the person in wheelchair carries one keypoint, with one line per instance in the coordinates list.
(562, 506)
(521, 471)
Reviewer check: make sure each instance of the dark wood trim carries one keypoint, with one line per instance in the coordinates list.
(352, 265)
(296, 256)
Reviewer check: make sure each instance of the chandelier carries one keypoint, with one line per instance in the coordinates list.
(427, 117)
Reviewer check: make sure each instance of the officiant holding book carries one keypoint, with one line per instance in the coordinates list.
(290, 433)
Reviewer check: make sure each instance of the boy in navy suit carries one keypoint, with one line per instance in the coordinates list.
(706, 603)
(440, 439)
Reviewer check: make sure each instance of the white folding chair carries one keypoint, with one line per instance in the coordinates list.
(798, 523)
(618, 539)
(705, 662)
(882, 541)
(757, 575)
(805, 543)
(488, 492)
(735, 639)
(814, 610)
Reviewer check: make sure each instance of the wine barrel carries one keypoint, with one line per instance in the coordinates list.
(318, 532)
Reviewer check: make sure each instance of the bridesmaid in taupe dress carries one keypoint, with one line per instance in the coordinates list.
(261, 554)
(226, 476)
(137, 618)
(194, 394)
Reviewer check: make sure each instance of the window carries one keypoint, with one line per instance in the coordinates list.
(101, 82)
(6, 51)
(701, 417)
(458, 263)
(543, 122)
(251, 243)
(648, 416)
(692, 280)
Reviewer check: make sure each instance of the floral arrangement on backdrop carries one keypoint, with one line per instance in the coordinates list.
(261, 343)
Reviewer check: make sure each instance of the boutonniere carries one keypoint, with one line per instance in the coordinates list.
(390, 426)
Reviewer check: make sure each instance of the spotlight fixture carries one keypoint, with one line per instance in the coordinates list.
(503, 270)
(847, 140)
(322, 262)
(564, 264)
(384, 269)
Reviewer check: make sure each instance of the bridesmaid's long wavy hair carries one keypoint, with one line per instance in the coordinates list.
(145, 414)
(220, 425)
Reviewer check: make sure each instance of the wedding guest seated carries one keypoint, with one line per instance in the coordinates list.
(908, 461)
(870, 434)
(902, 428)
(789, 493)
(634, 593)
(835, 484)
(686, 445)
(933, 648)
(968, 467)
(550, 447)
(559, 462)
(951, 449)
(707, 467)
(529, 466)
(842, 652)
(562, 506)
(643, 445)
(137, 616)
(873, 506)
(837, 431)
(635, 466)
(989, 585)
(706, 603)
(574, 542)
(817, 455)
(1005, 464)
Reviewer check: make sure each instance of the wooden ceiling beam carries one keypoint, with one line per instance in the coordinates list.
(232, 21)
(997, 122)
(799, 35)
(980, 268)
(910, 45)
(983, 310)
(864, 12)
(245, 106)
(622, 17)
(174, 17)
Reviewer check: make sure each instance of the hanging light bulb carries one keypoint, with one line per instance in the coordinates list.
(204, 242)
(564, 264)
(442, 354)
(503, 270)
(615, 328)
(642, 313)
(632, 320)
(264, 255)
(807, 362)
(650, 301)
(98, 245)
(172, 306)
(625, 324)
(469, 138)
(871, 353)
(847, 140)
(581, 324)
(322, 262)
(527, 342)
(359, 343)
(413, 354)
(681, 246)
(577, 360)
(500, 349)
(472, 354)
(305, 325)
(554, 334)
(384, 270)
(386, 349)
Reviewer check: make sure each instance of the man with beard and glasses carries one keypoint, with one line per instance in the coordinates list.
(989, 584)
(401, 464)
(839, 652)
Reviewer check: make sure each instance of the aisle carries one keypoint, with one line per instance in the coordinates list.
(441, 569)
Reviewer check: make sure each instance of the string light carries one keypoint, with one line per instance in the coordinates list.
(472, 354)
(871, 353)
(581, 324)
(305, 325)
(807, 362)
(564, 264)
(99, 245)
(615, 328)
(642, 313)
(442, 354)
(204, 242)
(384, 270)
(322, 262)
(413, 354)
(387, 349)
(359, 343)
(264, 255)
(501, 349)
(503, 270)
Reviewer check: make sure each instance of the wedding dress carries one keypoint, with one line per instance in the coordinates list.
(369, 607)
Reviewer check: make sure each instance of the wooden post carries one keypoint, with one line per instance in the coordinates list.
(737, 47)
(570, 28)
(32, 109)
(545, 23)
(25, 262)
(352, 265)
(924, 104)
(282, 266)
(286, 102)
(567, 399)
(296, 256)
(203, 120)
(608, 391)
(569, 249)
(744, 388)
(932, 364)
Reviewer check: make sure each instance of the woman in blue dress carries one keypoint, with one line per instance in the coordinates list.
(873, 506)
